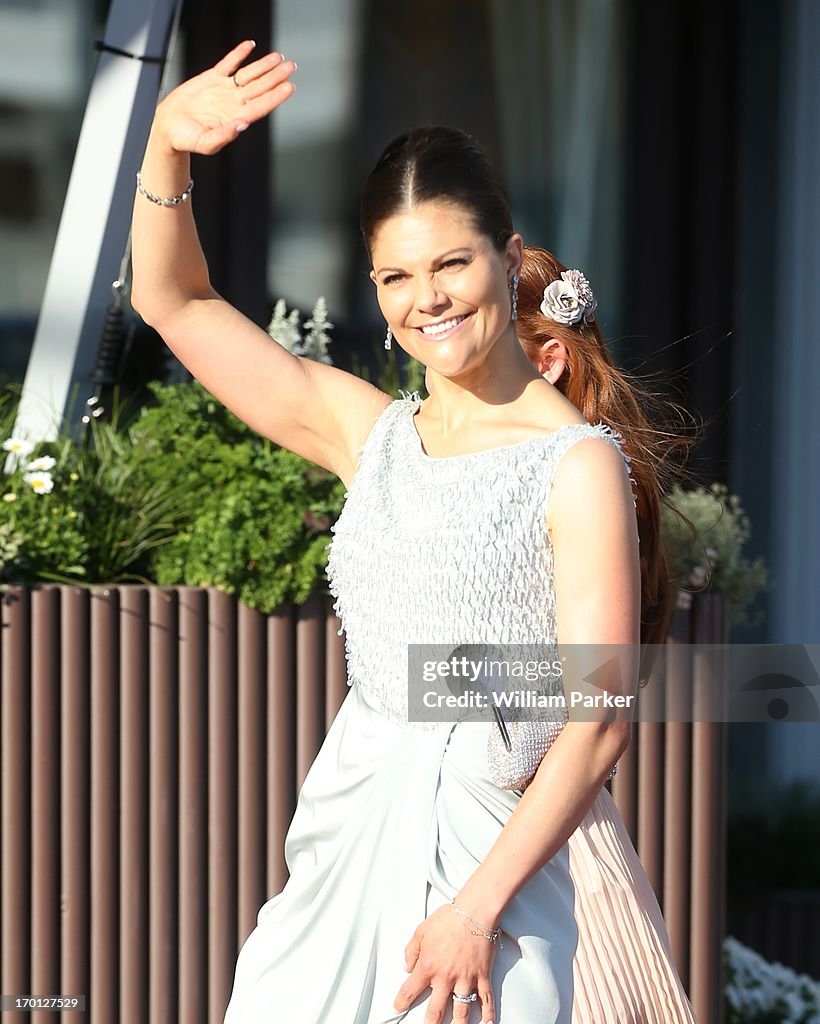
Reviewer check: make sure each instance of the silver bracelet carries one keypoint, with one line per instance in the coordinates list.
(170, 200)
(476, 928)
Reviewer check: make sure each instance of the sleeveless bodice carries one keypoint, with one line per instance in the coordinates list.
(452, 550)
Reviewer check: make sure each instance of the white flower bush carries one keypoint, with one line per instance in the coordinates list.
(21, 473)
(759, 992)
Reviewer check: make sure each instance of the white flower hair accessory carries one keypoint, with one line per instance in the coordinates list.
(570, 299)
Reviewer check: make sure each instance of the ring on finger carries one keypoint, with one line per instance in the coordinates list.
(469, 998)
(233, 78)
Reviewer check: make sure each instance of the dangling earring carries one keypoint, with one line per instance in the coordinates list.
(388, 341)
(514, 316)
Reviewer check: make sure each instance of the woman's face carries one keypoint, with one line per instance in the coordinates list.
(443, 287)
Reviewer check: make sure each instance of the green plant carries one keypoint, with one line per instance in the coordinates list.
(707, 551)
(259, 515)
(81, 511)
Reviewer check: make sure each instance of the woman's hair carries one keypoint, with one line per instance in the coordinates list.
(651, 426)
(436, 164)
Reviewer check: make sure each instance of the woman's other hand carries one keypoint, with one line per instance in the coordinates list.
(445, 956)
(205, 113)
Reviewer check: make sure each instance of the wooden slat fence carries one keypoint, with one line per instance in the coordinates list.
(153, 742)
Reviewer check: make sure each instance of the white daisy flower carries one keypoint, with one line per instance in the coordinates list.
(18, 446)
(43, 464)
(10, 496)
(42, 483)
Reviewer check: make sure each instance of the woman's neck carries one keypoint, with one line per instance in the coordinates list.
(500, 380)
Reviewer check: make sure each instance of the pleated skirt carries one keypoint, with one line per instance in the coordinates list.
(623, 971)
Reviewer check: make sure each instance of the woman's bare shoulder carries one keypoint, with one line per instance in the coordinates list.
(591, 478)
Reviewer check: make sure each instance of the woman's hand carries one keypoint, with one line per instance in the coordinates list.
(205, 113)
(445, 955)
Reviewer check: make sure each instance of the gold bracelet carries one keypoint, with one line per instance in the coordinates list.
(159, 200)
(491, 936)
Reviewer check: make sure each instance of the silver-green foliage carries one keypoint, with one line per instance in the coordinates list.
(714, 555)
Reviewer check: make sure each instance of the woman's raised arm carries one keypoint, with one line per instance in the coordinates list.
(317, 411)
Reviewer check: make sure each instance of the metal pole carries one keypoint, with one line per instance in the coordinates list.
(97, 212)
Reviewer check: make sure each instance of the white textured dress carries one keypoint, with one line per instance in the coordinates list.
(394, 816)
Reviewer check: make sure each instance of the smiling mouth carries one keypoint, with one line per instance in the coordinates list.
(444, 328)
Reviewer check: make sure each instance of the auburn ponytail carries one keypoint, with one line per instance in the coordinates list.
(656, 432)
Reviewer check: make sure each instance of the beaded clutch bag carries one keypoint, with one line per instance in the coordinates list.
(516, 749)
